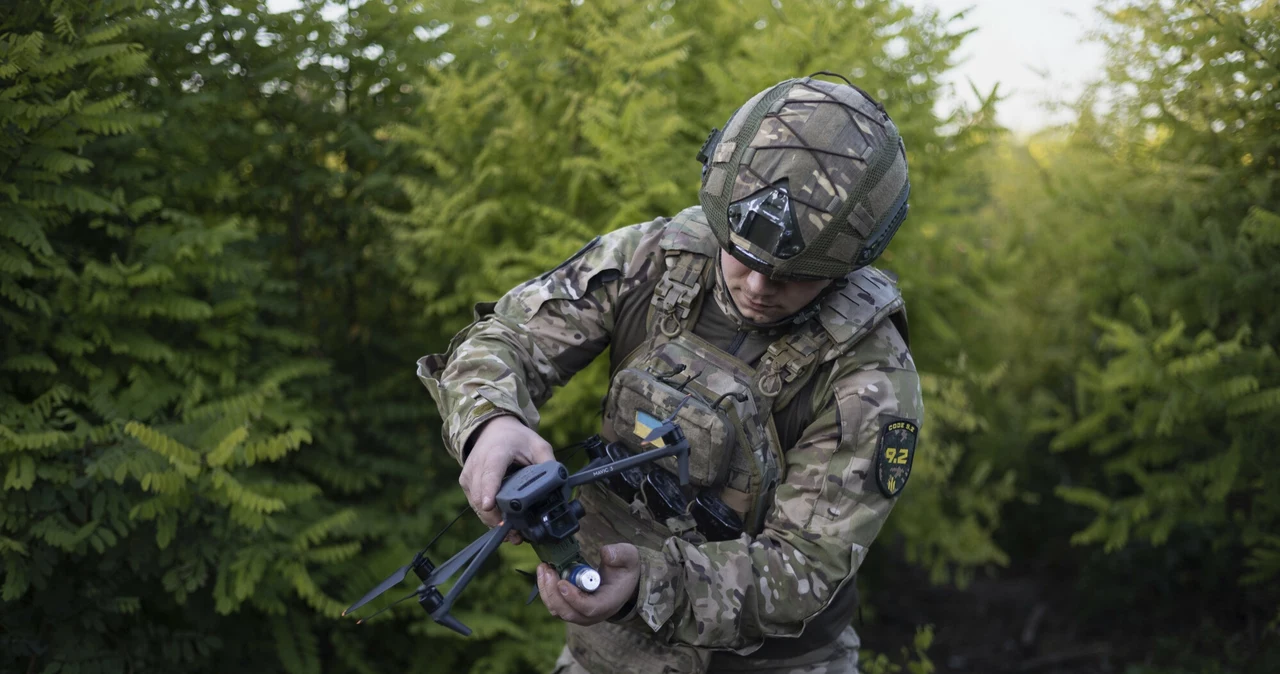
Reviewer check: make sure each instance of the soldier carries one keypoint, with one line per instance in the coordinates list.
(801, 402)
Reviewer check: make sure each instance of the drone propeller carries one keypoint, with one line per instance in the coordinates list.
(391, 581)
(438, 606)
(386, 608)
(396, 578)
(533, 594)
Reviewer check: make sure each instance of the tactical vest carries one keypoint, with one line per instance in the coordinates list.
(725, 407)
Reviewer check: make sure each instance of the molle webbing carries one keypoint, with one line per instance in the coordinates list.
(786, 364)
(789, 362)
(677, 293)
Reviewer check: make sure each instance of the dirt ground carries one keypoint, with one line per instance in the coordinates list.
(994, 625)
(1022, 620)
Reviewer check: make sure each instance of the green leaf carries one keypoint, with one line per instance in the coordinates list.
(21, 473)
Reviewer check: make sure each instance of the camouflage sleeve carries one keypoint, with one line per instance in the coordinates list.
(537, 336)
(826, 512)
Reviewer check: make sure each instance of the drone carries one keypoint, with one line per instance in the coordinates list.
(536, 501)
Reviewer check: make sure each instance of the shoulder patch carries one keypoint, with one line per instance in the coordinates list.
(689, 231)
(895, 452)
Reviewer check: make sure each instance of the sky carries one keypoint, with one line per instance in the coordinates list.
(1035, 49)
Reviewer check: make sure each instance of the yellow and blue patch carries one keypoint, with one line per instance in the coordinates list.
(645, 425)
(894, 454)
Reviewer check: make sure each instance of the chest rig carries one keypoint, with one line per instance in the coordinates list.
(724, 405)
(726, 410)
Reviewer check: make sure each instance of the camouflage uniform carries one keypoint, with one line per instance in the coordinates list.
(806, 462)
(732, 595)
(838, 657)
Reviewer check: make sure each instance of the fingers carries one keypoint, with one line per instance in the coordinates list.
(620, 556)
(540, 450)
(554, 591)
(475, 481)
(501, 442)
(485, 486)
(570, 604)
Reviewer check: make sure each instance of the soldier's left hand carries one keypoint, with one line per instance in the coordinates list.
(619, 576)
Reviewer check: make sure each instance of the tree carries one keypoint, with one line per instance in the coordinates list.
(1144, 387)
(150, 399)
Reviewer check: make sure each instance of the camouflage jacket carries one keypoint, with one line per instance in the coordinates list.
(837, 434)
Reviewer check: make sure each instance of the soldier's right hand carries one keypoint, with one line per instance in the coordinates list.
(501, 441)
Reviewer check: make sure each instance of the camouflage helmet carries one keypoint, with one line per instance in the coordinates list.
(807, 180)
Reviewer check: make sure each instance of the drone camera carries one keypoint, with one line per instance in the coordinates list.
(560, 521)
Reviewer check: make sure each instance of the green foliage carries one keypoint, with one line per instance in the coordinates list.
(227, 234)
(913, 660)
(1183, 396)
(152, 406)
(163, 390)
(1165, 410)
(1133, 253)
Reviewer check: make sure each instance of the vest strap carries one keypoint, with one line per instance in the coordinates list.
(789, 358)
(677, 292)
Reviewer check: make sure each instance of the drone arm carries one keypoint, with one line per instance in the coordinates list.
(676, 444)
(445, 571)
(680, 450)
(487, 544)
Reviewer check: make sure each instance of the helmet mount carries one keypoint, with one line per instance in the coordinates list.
(767, 220)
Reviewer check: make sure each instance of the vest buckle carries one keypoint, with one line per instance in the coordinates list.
(675, 297)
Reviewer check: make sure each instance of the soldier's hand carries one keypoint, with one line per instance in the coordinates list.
(502, 441)
(619, 576)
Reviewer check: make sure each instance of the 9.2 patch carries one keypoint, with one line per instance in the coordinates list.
(894, 453)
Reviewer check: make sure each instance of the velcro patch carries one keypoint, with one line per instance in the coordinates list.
(894, 453)
(645, 424)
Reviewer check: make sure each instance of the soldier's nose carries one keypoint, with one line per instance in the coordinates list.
(758, 284)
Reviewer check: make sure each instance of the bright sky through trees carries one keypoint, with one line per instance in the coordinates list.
(1035, 49)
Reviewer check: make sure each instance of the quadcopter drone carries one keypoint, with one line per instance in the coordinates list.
(536, 501)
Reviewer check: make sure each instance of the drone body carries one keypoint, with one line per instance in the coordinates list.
(537, 501)
(539, 504)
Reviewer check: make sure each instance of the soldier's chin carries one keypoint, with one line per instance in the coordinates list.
(757, 316)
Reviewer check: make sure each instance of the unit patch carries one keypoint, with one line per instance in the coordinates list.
(894, 454)
(645, 425)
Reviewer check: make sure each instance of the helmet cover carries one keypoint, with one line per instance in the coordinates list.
(808, 180)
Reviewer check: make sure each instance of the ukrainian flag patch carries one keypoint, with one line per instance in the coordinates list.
(645, 425)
